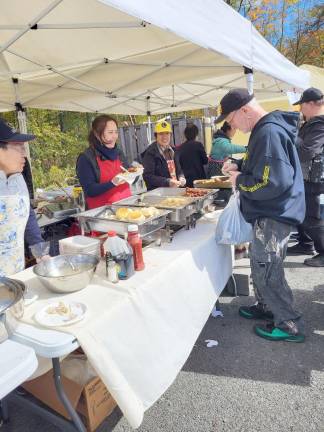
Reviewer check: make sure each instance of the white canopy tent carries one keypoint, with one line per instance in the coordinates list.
(131, 57)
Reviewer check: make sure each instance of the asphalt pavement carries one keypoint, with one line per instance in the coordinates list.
(245, 384)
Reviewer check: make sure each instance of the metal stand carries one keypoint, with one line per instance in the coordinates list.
(64, 399)
(32, 405)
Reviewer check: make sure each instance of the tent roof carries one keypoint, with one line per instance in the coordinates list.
(111, 56)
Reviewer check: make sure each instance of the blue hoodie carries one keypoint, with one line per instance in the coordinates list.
(271, 183)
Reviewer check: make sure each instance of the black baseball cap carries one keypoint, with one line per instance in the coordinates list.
(312, 94)
(9, 134)
(233, 101)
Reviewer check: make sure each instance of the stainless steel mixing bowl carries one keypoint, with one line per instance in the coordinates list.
(67, 273)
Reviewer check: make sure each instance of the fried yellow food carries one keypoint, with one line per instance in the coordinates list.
(122, 213)
(134, 214)
(174, 202)
(149, 212)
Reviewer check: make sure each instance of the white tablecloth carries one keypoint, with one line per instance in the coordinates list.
(139, 333)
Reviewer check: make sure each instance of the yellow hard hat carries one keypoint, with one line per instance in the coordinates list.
(163, 126)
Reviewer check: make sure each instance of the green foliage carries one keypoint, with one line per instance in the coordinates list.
(60, 138)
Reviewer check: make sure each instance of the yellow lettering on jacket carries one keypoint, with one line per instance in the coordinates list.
(265, 181)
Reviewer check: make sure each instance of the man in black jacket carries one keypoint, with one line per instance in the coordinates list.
(271, 188)
(310, 147)
(161, 168)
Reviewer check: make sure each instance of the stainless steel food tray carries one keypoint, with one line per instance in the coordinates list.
(60, 210)
(178, 214)
(94, 220)
(201, 202)
(11, 291)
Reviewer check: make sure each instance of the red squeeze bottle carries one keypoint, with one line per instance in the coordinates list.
(135, 243)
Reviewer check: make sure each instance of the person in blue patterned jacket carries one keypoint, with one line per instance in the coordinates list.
(17, 218)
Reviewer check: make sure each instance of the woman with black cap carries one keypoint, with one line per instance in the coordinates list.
(17, 218)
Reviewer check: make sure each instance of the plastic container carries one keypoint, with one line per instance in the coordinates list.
(102, 237)
(80, 244)
(135, 243)
(122, 254)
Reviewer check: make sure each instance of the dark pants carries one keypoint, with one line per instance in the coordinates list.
(311, 231)
(267, 253)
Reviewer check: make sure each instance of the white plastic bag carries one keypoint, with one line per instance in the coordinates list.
(232, 228)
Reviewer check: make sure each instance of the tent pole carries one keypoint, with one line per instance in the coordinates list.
(249, 79)
(149, 124)
(21, 115)
(22, 125)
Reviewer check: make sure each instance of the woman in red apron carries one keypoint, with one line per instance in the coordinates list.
(98, 166)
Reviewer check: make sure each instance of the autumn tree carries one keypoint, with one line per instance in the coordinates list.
(294, 27)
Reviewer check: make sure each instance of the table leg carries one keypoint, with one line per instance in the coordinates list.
(234, 286)
(64, 399)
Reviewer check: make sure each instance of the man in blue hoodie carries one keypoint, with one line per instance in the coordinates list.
(270, 183)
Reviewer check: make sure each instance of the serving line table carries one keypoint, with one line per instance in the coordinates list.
(17, 363)
(138, 333)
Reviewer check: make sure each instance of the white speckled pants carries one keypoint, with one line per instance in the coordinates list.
(267, 253)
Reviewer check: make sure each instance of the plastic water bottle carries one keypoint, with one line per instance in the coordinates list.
(122, 254)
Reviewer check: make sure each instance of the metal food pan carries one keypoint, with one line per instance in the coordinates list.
(201, 202)
(60, 210)
(166, 192)
(205, 200)
(94, 220)
(176, 214)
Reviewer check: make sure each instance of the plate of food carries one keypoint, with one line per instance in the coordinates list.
(60, 313)
(215, 182)
(131, 174)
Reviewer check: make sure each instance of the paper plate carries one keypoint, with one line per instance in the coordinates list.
(60, 313)
(130, 177)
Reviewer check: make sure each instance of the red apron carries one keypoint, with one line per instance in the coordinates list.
(108, 170)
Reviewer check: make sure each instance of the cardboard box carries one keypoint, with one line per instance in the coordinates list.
(92, 401)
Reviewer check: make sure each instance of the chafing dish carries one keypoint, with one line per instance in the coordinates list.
(182, 214)
(11, 292)
(60, 210)
(97, 220)
(207, 197)
(11, 305)
(177, 214)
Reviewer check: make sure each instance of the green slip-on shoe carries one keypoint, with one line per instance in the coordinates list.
(270, 332)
